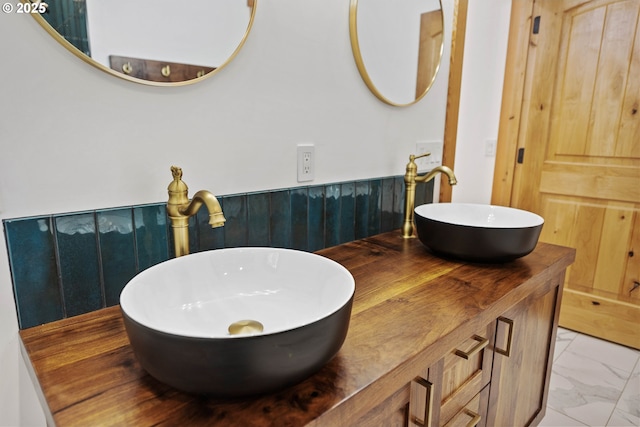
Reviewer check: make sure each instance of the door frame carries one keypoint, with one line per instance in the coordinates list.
(511, 107)
(458, 33)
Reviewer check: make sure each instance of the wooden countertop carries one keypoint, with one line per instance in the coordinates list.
(406, 301)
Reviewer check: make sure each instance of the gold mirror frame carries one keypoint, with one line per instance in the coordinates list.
(357, 54)
(89, 60)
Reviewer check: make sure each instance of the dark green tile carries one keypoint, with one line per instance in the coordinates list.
(151, 235)
(299, 218)
(375, 200)
(79, 263)
(258, 219)
(305, 218)
(332, 215)
(386, 204)
(361, 227)
(316, 217)
(194, 236)
(208, 238)
(235, 229)
(280, 218)
(424, 193)
(398, 202)
(347, 212)
(117, 251)
(32, 258)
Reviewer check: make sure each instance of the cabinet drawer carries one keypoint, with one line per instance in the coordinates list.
(473, 414)
(466, 370)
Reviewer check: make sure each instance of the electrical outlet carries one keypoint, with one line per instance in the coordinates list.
(306, 162)
(435, 159)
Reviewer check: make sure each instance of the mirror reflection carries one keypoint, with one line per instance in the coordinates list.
(397, 46)
(154, 41)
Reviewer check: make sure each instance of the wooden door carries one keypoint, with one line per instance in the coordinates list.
(578, 155)
(429, 50)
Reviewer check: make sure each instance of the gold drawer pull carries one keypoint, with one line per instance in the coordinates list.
(420, 403)
(475, 417)
(507, 351)
(482, 343)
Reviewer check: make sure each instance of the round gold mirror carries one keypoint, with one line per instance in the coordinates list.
(397, 46)
(158, 42)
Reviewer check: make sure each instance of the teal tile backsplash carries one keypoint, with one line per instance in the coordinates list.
(65, 265)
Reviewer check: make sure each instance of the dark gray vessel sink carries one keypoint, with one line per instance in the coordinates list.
(238, 322)
(476, 232)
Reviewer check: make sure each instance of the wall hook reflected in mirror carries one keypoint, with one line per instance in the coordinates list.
(92, 30)
(166, 71)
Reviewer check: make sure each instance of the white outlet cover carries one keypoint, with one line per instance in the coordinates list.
(306, 159)
(425, 164)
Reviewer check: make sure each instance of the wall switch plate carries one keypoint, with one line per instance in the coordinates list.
(425, 164)
(490, 147)
(306, 162)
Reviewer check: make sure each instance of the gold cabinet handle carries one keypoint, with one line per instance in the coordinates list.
(475, 417)
(420, 403)
(166, 71)
(507, 351)
(482, 343)
(201, 73)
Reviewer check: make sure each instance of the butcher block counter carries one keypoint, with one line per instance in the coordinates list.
(413, 313)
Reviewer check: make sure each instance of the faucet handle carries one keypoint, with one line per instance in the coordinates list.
(413, 156)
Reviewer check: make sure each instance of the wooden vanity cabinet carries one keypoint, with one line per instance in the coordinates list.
(520, 376)
(399, 366)
(497, 377)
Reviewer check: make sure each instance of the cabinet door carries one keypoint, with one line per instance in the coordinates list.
(394, 411)
(523, 354)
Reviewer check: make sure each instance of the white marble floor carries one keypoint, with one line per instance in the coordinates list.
(593, 383)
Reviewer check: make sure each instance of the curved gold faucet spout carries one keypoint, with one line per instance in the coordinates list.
(204, 197)
(410, 178)
(180, 209)
(438, 169)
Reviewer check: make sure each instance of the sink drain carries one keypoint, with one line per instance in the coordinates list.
(245, 327)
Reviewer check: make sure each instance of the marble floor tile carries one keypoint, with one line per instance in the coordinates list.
(628, 405)
(622, 419)
(614, 355)
(593, 383)
(554, 418)
(564, 337)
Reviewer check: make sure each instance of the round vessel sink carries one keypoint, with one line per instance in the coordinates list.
(475, 232)
(238, 322)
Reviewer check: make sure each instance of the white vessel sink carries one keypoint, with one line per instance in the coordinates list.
(185, 318)
(476, 232)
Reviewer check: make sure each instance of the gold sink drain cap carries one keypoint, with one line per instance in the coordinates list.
(245, 327)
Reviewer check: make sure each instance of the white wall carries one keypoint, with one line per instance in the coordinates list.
(482, 76)
(75, 138)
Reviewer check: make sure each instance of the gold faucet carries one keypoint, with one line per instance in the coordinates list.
(410, 179)
(180, 209)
